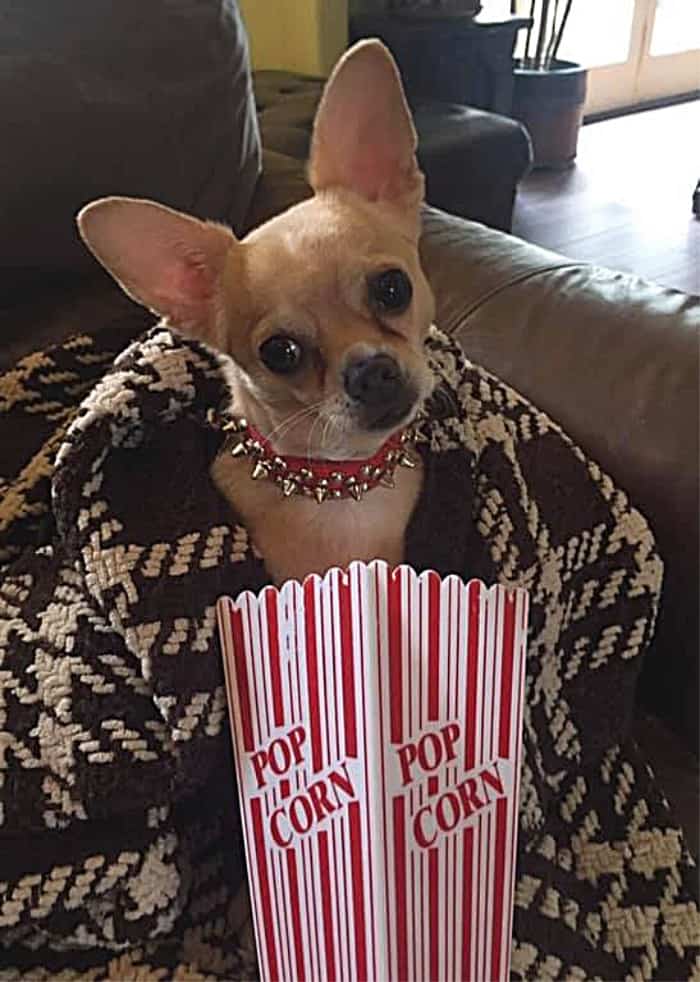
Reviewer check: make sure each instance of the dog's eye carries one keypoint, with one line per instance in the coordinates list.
(390, 292)
(281, 354)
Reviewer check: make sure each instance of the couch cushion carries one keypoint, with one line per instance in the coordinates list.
(145, 99)
(615, 360)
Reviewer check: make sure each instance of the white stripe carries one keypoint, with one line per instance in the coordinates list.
(279, 909)
(285, 622)
(261, 685)
(485, 641)
(315, 881)
(264, 677)
(496, 667)
(406, 654)
(461, 656)
(366, 738)
(337, 665)
(348, 891)
(385, 856)
(318, 634)
(414, 593)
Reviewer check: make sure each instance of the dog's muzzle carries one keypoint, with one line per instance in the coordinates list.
(381, 393)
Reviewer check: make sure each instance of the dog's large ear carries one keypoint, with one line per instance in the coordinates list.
(364, 138)
(167, 261)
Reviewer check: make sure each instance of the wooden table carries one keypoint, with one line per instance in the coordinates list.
(459, 59)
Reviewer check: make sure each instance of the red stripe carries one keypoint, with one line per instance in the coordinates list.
(264, 887)
(295, 912)
(358, 898)
(340, 901)
(363, 711)
(310, 905)
(499, 887)
(271, 598)
(507, 658)
(472, 665)
(455, 926)
(327, 905)
(349, 710)
(381, 671)
(395, 660)
(433, 645)
(433, 912)
(414, 920)
(239, 658)
(400, 881)
(312, 674)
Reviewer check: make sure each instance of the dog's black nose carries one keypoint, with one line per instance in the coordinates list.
(373, 381)
(379, 387)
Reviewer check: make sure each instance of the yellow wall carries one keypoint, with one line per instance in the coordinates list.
(296, 35)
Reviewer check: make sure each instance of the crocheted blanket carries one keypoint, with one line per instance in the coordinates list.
(120, 852)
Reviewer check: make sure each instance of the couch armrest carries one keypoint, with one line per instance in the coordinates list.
(614, 360)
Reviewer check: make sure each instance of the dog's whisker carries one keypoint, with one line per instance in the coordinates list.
(309, 445)
(290, 421)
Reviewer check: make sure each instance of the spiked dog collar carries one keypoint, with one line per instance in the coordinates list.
(322, 480)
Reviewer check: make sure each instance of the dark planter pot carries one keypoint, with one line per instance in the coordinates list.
(550, 104)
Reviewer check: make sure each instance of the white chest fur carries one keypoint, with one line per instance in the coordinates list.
(296, 536)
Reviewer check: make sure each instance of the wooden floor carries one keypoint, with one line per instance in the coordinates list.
(627, 201)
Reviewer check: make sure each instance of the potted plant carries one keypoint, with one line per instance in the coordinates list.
(549, 93)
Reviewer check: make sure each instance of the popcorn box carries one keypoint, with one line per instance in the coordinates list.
(376, 720)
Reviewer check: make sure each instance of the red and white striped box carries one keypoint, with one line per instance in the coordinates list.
(376, 722)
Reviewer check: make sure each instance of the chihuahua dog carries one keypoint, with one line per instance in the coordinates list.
(323, 311)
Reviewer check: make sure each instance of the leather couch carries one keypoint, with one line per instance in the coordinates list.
(614, 359)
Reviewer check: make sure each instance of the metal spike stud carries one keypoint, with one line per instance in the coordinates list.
(405, 460)
(320, 494)
(289, 487)
(239, 449)
(356, 491)
(260, 470)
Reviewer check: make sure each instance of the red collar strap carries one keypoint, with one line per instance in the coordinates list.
(323, 480)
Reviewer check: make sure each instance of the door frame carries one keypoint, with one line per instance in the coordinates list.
(643, 77)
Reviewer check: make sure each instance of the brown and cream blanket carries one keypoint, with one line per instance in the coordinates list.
(120, 854)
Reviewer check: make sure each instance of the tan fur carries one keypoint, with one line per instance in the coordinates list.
(304, 271)
(297, 537)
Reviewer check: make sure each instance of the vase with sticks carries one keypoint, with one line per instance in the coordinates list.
(549, 92)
